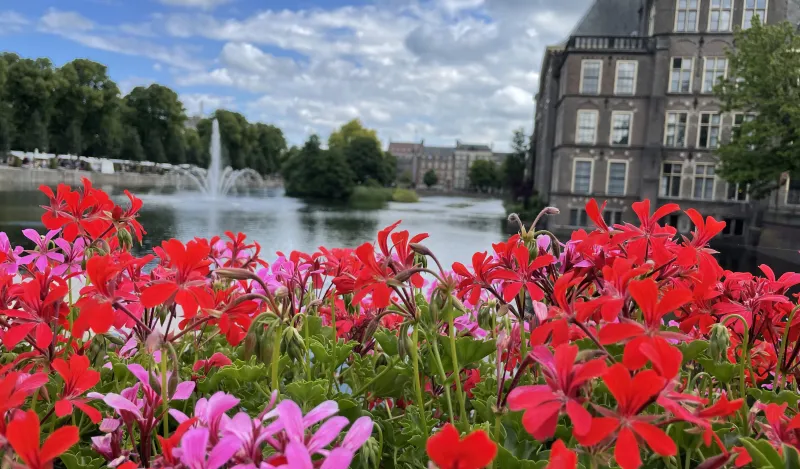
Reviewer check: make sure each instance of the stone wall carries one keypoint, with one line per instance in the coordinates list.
(25, 178)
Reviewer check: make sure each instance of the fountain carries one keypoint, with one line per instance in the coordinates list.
(215, 181)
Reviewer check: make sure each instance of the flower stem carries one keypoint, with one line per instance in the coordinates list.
(276, 351)
(164, 393)
(784, 346)
(443, 377)
(417, 386)
(366, 385)
(745, 362)
(456, 369)
(334, 341)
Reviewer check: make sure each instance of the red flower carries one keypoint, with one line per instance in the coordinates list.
(472, 284)
(218, 360)
(703, 232)
(645, 292)
(523, 274)
(107, 286)
(544, 403)
(647, 241)
(168, 444)
(372, 278)
(78, 378)
(39, 301)
(185, 281)
(24, 434)
(15, 387)
(632, 396)
(447, 451)
(127, 218)
(561, 457)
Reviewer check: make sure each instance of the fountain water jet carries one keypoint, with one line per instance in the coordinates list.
(215, 181)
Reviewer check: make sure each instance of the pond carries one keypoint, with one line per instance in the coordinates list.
(458, 226)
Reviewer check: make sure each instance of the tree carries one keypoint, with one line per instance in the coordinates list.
(366, 159)
(132, 146)
(430, 178)
(159, 117)
(339, 139)
(269, 145)
(317, 173)
(764, 71)
(196, 152)
(513, 168)
(28, 90)
(483, 175)
(236, 138)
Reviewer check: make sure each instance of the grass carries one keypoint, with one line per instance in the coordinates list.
(376, 197)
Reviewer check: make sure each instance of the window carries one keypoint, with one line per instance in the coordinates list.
(617, 174)
(680, 78)
(708, 136)
(704, 177)
(733, 227)
(582, 176)
(578, 217)
(738, 120)
(714, 69)
(675, 131)
(587, 127)
(612, 217)
(719, 15)
(671, 180)
(686, 16)
(754, 8)
(793, 190)
(590, 76)
(651, 21)
(621, 128)
(736, 192)
(625, 81)
(672, 220)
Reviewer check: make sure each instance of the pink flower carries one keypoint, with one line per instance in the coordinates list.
(194, 448)
(9, 257)
(73, 256)
(41, 256)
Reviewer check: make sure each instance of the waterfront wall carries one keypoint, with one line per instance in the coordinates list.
(25, 178)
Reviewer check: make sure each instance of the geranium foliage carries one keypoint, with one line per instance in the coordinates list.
(627, 346)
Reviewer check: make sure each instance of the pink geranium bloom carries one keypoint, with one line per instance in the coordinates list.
(41, 256)
(194, 448)
(9, 257)
(73, 256)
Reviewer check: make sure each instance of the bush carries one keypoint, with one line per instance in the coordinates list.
(527, 211)
(405, 195)
(617, 348)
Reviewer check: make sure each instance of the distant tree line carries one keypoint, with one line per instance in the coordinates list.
(354, 157)
(77, 109)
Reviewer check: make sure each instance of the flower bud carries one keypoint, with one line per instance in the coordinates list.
(292, 343)
(250, 343)
(381, 361)
(264, 350)
(234, 274)
(719, 341)
(281, 292)
(485, 318)
(153, 342)
(125, 239)
(420, 249)
(369, 453)
(502, 310)
(404, 342)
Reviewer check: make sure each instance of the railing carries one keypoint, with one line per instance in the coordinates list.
(610, 43)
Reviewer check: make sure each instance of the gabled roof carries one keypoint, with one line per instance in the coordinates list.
(610, 18)
(404, 147)
(439, 152)
(472, 147)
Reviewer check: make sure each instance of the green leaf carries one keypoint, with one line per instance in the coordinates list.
(236, 374)
(692, 350)
(319, 351)
(314, 324)
(724, 372)
(307, 393)
(73, 461)
(387, 341)
(783, 397)
(393, 382)
(764, 455)
(468, 350)
(506, 460)
(791, 458)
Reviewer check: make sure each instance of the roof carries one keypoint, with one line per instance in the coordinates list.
(610, 18)
(472, 147)
(404, 147)
(439, 152)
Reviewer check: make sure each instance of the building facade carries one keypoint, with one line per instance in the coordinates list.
(625, 111)
(451, 164)
(466, 154)
(407, 156)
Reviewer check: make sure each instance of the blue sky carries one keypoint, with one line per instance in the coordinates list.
(437, 70)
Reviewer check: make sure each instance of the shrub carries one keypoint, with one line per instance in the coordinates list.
(405, 195)
(624, 346)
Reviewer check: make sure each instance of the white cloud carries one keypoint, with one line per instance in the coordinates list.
(203, 4)
(126, 85)
(76, 27)
(12, 22)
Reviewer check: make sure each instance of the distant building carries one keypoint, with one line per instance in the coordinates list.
(440, 160)
(407, 155)
(465, 155)
(625, 111)
(451, 164)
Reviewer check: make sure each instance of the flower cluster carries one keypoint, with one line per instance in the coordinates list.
(626, 346)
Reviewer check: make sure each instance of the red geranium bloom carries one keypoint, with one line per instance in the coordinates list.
(107, 286)
(24, 433)
(15, 387)
(168, 444)
(645, 292)
(372, 278)
(523, 274)
(544, 403)
(185, 281)
(647, 241)
(39, 301)
(561, 457)
(472, 284)
(703, 232)
(632, 396)
(448, 451)
(78, 378)
(127, 218)
(218, 360)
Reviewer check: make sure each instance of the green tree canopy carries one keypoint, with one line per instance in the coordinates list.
(340, 138)
(763, 83)
(483, 175)
(317, 173)
(512, 171)
(430, 178)
(159, 117)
